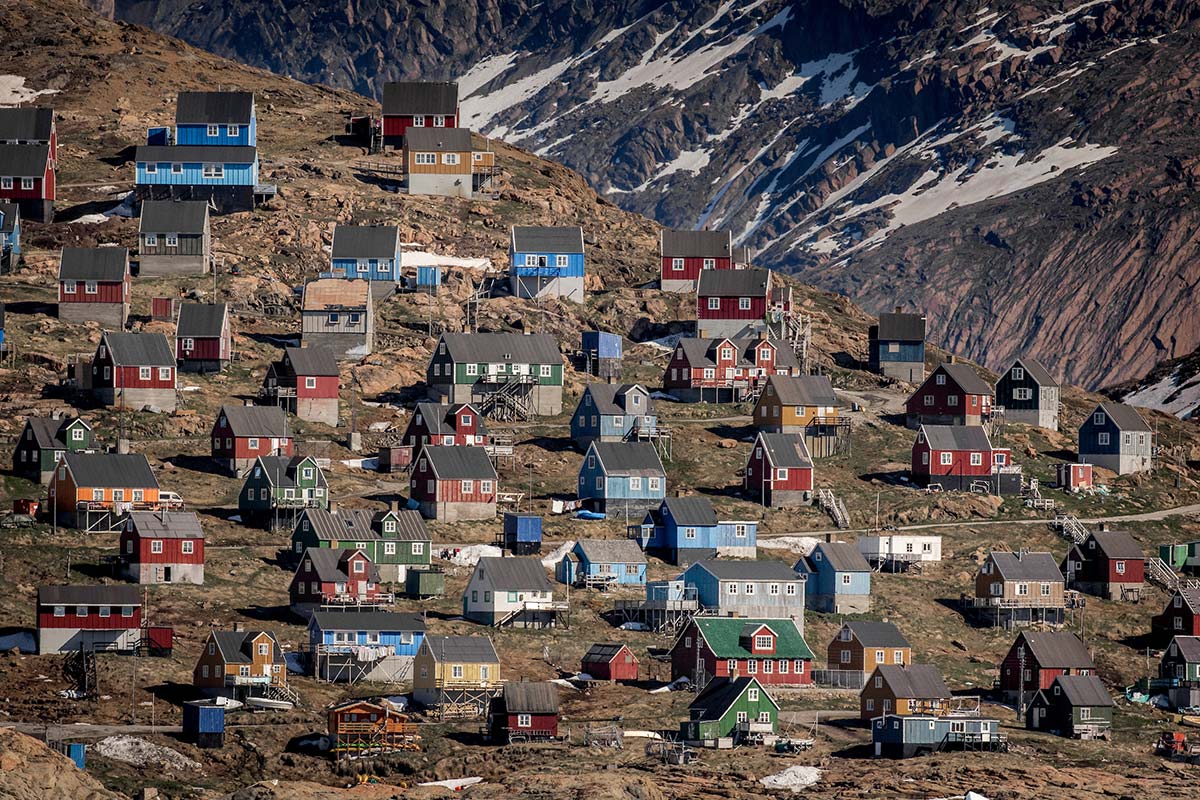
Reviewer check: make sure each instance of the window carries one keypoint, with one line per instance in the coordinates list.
(790, 589)
(730, 665)
(947, 459)
(690, 533)
(743, 303)
(546, 371)
(214, 171)
(177, 169)
(742, 716)
(68, 287)
(714, 303)
(897, 656)
(1018, 374)
(310, 383)
(425, 158)
(870, 704)
(781, 474)
(1045, 590)
(89, 287)
(1022, 589)
(524, 720)
(939, 379)
(233, 130)
(773, 590)
(928, 399)
(81, 611)
(468, 487)
(6, 183)
(762, 641)
(1098, 418)
(214, 130)
(893, 347)
(731, 588)
(752, 666)
(798, 666)
(677, 264)
(1120, 566)
(456, 671)
(97, 494)
(126, 611)
(105, 611)
(450, 158)
(151, 239)
(1102, 438)
(204, 670)
(635, 484)
(1022, 394)
(952, 400)
(752, 695)
(653, 484)
(145, 373)
(485, 487)
(172, 240)
(845, 579)
(976, 459)
(880, 657)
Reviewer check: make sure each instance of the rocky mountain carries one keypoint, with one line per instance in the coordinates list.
(1173, 386)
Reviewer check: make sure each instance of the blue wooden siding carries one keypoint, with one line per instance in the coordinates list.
(616, 487)
(386, 639)
(605, 426)
(828, 581)
(671, 536)
(192, 175)
(12, 241)
(198, 134)
(574, 268)
(908, 352)
(378, 269)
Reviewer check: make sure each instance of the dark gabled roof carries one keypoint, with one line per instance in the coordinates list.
(1057, 649)
(167, 524)
(516, 574)
(766, 570)
(530, 697)
(1034, 369)
(173, 216)
(89, 595)
(900, 327)
(104, 264)
(1083, 690)
(786, 450)
(691, 511)
(604, 398)
(139, 349)
(1026, 566)
(1126, 417)
(315, 361)
(967, 378)
(719, 694)
(750, 282)
(111, 470)
(803, 390)
(24, 160)
(1189, 647)
(611, 551)
(280, 471)
(699, 351)
(462, 649)
(259, 421)
(436, 415)
(26, 124)
(543, 239)
(436, 98)
(10, 214)
(327, 564)
(1115, 544)
(438, 140)
(366, 241)
(842, 556)
(502, 348)
(602, 653)
(214, 108)
(367, 621)
(363, 524)
(916, 681)
(235, 646)
(696, 244)
(193, 153)
(877, 634)
(46, 430)
(459, 463)
(956, 437)
(199, 320)
(628, 458)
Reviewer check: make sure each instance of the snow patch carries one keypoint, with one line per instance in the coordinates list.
(422, 258)
(469, 556)
(13, 91)
(1176, 394)
(484, 72)
(802, 545)
(371, 464)
(551, 561)
(793, 778)
(133, 750)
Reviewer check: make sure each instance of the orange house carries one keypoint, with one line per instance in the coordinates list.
(234, 663)
(93, 490)
(790, 404)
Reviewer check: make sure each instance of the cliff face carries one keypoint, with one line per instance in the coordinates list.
(1022, 171)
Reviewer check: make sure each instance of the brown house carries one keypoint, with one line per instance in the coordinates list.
(905, 691)
(863, 646)
(240, 663)
(1021, 588)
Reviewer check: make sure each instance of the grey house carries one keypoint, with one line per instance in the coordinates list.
(340, 315)
(1114, 436)
(174, 238)
(1029, 394)
(764, 589)
(896, 346)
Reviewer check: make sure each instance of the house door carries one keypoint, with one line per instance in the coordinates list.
(166, 574)
(878, 749)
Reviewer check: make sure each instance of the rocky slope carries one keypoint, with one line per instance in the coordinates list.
(1172, 386)
(1009, 168)
(29, 770)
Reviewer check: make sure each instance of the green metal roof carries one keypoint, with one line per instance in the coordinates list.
(723, 635)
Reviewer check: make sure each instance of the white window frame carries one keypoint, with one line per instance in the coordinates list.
(213, 130)
(425, 159)
(213, 171)
(743, 303)
(677, 265)
(714, 303)
(450, 159)
(946, 459)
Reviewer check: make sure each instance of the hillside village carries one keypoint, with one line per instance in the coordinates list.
(353, 449)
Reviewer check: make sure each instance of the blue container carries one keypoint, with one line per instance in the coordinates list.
(602, 345)
(429, 276)
(77, 752)
(523, 533)
(201, 717)
(158, 136)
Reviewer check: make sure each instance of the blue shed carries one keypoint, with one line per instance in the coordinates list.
(429, 277)
(837, 579)
(547, 262)
(77, 752)
(204, 723)
(622, 476)
(611, 413)
(683, 530)
(523, 533)
(10, 231)
(158, 136)
(370, 252)
(600, 563)
(600, 344)
(897, 736)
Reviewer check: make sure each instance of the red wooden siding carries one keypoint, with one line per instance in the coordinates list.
(960, 462)
(105, 293)
(730, 309)
(537, 722)
(326, 388)
(93, 621)
(208, 348)
(397, 124)
(172, 550)
(691, 268)
(798, 479)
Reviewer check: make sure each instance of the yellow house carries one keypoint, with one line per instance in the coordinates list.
(789, 404)
(456, 674)
(238, 662)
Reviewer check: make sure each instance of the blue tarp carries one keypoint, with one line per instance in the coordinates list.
(583, 513)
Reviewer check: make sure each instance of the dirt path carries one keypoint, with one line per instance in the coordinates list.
(77, 731)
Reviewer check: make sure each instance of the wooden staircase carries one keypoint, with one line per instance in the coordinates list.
(1070, 528)
(832, 505)
(1160, 572)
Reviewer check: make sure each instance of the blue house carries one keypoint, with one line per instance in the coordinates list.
(1114, 436)
(683, 530)
(600, 563)
(896, 346)
(837, 579)
(766, 589)
(349, 646)
(370, 252)
(226, 176)
(216, 118)
(547, 262)
(10, 232)
(621, 477)
(611, 413)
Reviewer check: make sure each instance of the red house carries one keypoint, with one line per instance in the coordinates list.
(443, 425)
(163, 547)
(417, 104)
(725, 369)
(1181, 617)
(135, 371)
(526, 711)
(686, 253)
(779, 471)
(93, 285)
(732, 302)
(771, 650)
(241, 434)
(335, 577)
(961, 458)
(953, 394)
(1108, 564)
(1038, 657)
(610, 662)
(70, 618)
(455, 483)
(203, 337)
(305, 382)
(27, 179)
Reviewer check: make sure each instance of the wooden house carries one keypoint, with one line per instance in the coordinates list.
(366, 252)
(162, 547)
(524, 711)
(27, 179)
(512, 592)
(1114, 436)
(1108, 564)
(904, 689)
(683, 530)
(601, 353)
(335, 578)
(239, 664)
(203, 337)
(278, 488)
(445, 425)
(440, 162)
(225, 176)
(223, 118)
(896, 346)
(417, 104)
(771, 650)
(729, 711)
(93, 285)
(305, 382)
(1037, 658)
(804, 404)
(895, 736)
(395, 540)
(609, 661)
(29, 125)
(1022, 588)
(349, 646)
(75, 617)
(732, 303)
(1181, 660)
(364, 729)
(43, 441)
(899, 551)
(779, 471)
(685, 253)
(1181, 616)
(1075, 706)
(339, 315)
(1029, 394)
(602, 563)
(838, 579)
(10, 234)
(456, 675)
(174, 238)
(547, 262)
(455, 483)
(961, 458)
(92, 491)
(608, 412)
(1075, 478)
(241, 433)
(622, 477)
(953, 394)
(502, 374)
(862, 645)
(726, 369)
(766, 589)
(135, 371)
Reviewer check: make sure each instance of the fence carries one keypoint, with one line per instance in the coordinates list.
(839, 678)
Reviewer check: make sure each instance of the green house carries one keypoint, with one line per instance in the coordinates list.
(728, 711)
(44, 440)
(1181, 659)
(277, 489)
(1076, 706)
(394, 540)
(510, 370)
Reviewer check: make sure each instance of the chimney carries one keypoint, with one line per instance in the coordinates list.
(394, 506)
(899, 309)
(333, 507)
(953, 358)
(1103, 526)
(248, 402)
(237, 627)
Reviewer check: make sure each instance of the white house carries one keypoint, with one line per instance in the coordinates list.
(897, 550)
(511, 591)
